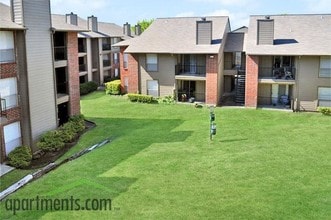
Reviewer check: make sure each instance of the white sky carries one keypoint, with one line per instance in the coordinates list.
(131, 11)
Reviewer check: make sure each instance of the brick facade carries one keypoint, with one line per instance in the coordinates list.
(73, 74)
(8, 70)
(129, 75)
(211, 79)
(251, 90)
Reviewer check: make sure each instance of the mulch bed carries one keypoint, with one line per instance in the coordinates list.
(41, 159)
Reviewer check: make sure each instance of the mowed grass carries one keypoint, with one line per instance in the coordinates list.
(161, 165)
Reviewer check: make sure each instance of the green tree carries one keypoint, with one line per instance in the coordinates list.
(144, 24)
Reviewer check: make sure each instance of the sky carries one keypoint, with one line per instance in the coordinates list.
(132, 11)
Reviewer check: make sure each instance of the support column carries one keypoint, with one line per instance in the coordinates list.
(251, 87)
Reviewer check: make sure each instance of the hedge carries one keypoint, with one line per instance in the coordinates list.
(20, 157)
(51, 141)
(88, 87)
(113, 87)
(325, 110)
(140, 98)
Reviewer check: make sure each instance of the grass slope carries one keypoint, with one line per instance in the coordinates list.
(162, 165)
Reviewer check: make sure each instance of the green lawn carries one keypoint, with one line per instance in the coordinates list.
(161, 164)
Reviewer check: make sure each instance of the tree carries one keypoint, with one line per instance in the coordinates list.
(144, 24)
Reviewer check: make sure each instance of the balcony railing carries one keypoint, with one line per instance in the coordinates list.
(60, 53)
(82, 67)
(106, 46)
(182, 69)
(3, 107)
(106, 63)
(81, 49)
(7, 55)
(287, 73)
(62, 87)
(186, 96)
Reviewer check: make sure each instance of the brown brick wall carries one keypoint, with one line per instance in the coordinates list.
(8, 70)
(211, 80)
(73, 74)
(131, 73)
(251, 91)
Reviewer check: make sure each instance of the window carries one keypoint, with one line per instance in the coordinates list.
(8, 91)
(12, 135)
(7, 53)
(325, 66)
(151, 62)
(324, 96)
(125, 60)
(153, 88)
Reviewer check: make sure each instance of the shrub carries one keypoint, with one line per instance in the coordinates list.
(166, 100)
(88, 87)
(140, 98)
(20, 157)
(51, 141)
(77, 123)
(67, 132)
(113, 87)
(325, 110)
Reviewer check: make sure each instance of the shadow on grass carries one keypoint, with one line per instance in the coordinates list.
(81, 178)
(234, 140)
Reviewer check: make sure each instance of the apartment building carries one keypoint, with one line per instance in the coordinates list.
(289, 61)
(177, 56)
(39, 78)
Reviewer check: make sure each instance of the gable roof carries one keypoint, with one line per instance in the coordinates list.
(178, 36)
(293, 35)
(5, 18)
(59, 24)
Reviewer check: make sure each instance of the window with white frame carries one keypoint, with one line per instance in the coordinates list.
(12, 136)
(324, 96)
(151, 62)
(8, 91)
(7, 52)
(153, 88)
(125, 60)
(325, 66)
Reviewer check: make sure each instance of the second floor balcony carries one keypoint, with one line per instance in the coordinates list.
(106, 46)
(190, 69)
(282, 73)
(60, 53)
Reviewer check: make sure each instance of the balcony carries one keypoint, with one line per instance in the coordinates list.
(3, 107)
(60, 53)
(81, 49)
(190, 71)
(82, 68)
(106, 47)
(282, 75)
(106, 63)
(7, 55)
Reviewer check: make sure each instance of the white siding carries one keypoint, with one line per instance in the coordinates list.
(40, 70)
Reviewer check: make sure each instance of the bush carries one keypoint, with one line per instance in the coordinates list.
(113, 87)
(325, 110)
(88, 87)
(20, 157)
(67, 132)
(166, 100)
(51, 141)
(77, 123)
(140, 98)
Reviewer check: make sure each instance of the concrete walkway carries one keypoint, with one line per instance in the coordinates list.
(5, 169)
